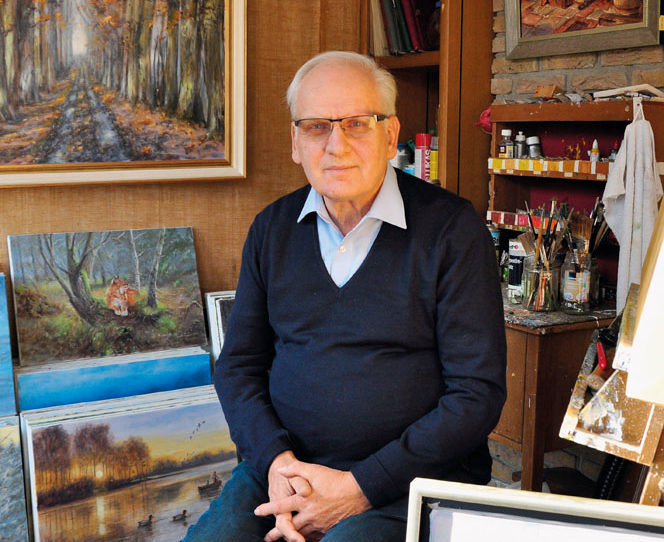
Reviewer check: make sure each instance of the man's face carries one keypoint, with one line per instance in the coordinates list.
(339, 167)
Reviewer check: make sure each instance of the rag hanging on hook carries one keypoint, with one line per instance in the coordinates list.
(637, 108)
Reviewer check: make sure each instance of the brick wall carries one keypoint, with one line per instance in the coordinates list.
(583, 72)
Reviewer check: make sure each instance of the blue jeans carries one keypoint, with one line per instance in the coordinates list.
(230, 517)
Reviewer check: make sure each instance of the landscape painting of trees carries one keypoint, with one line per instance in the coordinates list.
(117, 83)
(94, 294)
(127, 476)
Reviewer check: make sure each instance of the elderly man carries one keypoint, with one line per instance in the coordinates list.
(366, 344)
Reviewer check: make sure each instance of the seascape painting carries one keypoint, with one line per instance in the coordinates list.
(142, 476)
(94, 294)
(7, 400)
(13, 518)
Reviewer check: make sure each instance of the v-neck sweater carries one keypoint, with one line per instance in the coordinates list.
(398, 373)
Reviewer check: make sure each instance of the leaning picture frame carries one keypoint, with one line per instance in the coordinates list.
(442, 511)
(132, 91)
(536, 29)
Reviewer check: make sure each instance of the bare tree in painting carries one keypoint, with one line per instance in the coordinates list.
(6, 111)
(138, 456)
(71, 274)
(154, 270)
(51, 449)
(92, 443)
(211, 28)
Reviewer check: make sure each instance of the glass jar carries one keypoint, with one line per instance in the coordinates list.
(576, 283)
(541, 285)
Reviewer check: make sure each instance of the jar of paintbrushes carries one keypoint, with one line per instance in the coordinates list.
(541, 273)
(541, 284)
(580, 276)
(576, 283)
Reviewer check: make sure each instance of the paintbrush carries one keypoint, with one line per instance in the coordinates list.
(527, 240)
(530, 219)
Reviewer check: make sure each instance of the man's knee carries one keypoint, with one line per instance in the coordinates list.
(371, 526)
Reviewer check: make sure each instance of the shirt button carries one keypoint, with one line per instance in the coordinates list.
(342, 248)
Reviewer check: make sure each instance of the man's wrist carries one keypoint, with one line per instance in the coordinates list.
(282, 460)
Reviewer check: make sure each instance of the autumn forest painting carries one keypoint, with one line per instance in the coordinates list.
(101, 81)
(93, 294)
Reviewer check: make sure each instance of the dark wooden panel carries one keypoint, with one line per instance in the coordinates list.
(511, 420)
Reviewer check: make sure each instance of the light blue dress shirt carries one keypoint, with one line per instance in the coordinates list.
(344, 255)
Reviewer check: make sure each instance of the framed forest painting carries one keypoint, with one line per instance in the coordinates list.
(557, 27)
(101, 91)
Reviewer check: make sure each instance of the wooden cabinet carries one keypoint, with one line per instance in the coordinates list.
(544, 356)
(448, 90)
(543, 360)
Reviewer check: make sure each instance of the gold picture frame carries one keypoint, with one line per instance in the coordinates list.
(558, 27)
(134, 91)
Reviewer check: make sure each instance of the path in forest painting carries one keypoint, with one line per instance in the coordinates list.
(111, 81)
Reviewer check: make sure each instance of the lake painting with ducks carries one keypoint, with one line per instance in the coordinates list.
(94, 294)
(142, 475)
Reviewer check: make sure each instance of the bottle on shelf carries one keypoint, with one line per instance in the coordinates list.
(433, 161)
(534, 147)
(520, 146)
(506, 145)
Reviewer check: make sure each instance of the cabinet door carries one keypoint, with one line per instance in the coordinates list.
(510, 426)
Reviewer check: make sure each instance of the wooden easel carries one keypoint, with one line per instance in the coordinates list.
(612, 422)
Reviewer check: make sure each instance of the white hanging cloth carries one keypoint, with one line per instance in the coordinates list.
(632, 191)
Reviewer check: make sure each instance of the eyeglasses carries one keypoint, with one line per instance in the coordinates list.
(357, 126)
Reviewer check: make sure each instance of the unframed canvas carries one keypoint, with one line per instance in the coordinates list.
(13, 519)
(141, 475)
(93, 294)
(7, 400)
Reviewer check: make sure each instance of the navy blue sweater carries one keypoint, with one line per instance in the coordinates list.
(399, 373)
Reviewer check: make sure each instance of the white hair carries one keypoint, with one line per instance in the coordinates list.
(385, 82)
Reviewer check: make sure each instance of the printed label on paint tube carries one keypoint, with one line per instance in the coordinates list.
(516, 255)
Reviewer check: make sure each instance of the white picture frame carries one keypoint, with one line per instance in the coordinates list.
(472, 512)
(218, 306)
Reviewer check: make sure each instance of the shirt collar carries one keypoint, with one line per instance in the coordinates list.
(388, 205)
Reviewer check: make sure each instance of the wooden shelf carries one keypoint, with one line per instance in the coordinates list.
(612, 110)
(618, 110)
(581, 170)
(411, 60)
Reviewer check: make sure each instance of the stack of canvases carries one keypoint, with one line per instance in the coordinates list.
(123, 436)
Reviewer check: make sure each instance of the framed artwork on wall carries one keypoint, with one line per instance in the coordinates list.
(121, 91)
(556, 27)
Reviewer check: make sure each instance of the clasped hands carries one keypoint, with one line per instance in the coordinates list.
(307, 500)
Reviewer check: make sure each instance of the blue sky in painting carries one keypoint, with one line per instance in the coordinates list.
(168, 422)
(7, 401)
(94, 383)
